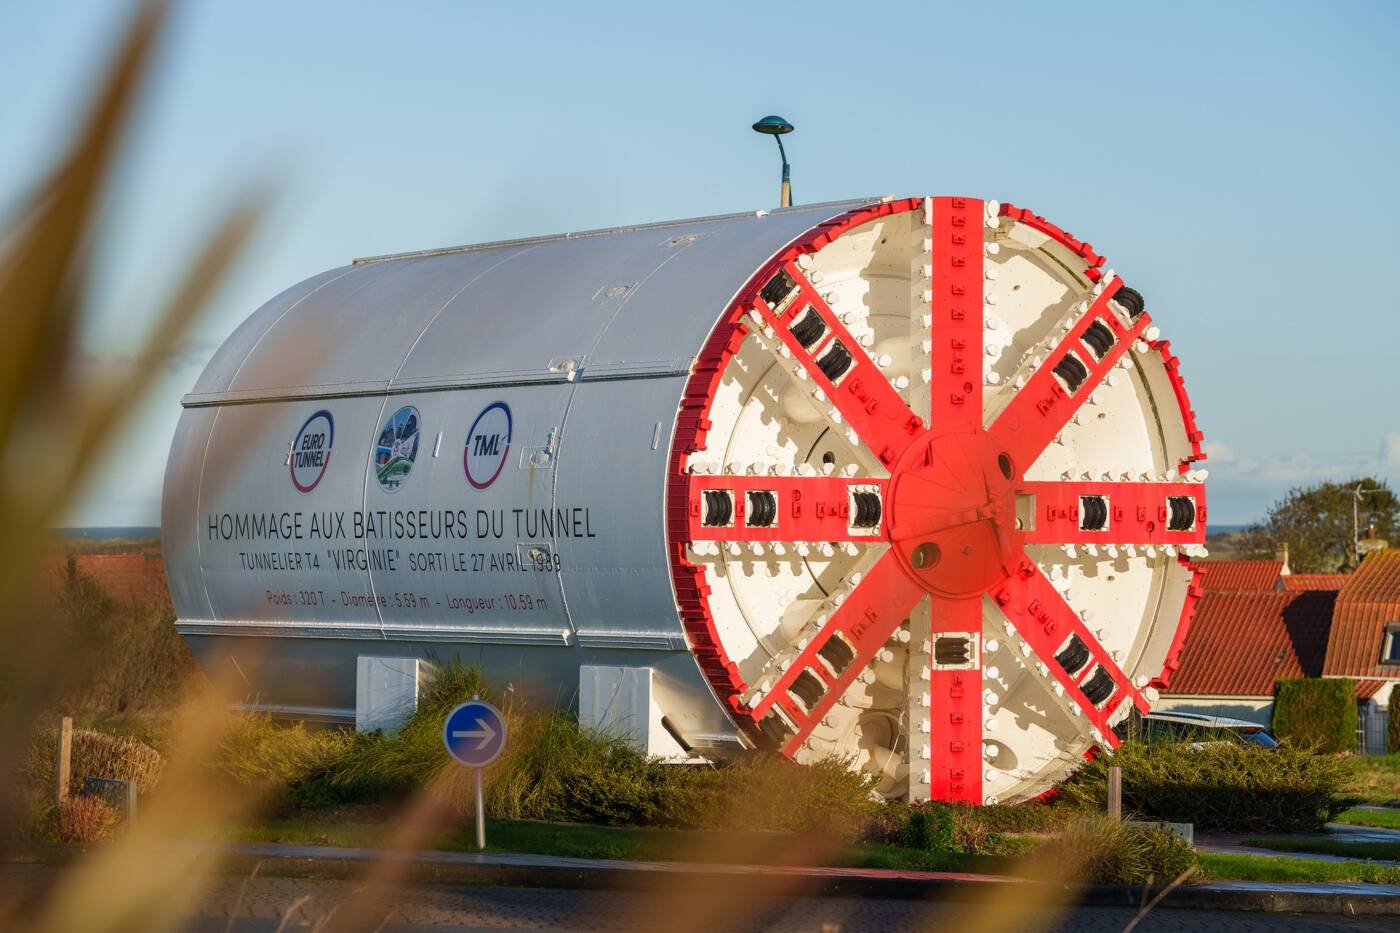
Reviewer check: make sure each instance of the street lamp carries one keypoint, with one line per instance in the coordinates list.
(777, 127)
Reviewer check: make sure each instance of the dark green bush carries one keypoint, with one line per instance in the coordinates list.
(1218, 786)
(1392, 727)
(1316, 712)
(1099, 850)
(931, 827)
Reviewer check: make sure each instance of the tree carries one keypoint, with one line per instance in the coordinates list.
(1315, 523)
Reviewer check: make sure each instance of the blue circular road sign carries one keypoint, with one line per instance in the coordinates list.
(474, 733)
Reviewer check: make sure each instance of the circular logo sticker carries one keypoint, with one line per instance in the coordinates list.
(488, 442)
(397, 448)
(311, 451)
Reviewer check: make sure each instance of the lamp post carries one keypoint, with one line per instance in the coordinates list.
(777, 127)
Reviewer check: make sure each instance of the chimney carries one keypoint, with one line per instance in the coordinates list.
(1282, 554)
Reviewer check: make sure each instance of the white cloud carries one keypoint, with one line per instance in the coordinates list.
(1219, 452)
(1390, 451)
(1295, 469)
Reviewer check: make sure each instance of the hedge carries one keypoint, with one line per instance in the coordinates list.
(1218, 786)
(1392, 725)
(1316, 712)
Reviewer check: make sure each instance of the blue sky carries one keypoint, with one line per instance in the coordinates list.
(1234, 161)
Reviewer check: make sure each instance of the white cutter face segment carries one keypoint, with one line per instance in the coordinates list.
(933, 501)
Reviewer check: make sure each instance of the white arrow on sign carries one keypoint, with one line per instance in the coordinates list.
(482, 735)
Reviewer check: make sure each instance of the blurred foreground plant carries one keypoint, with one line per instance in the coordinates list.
(48, 409)
(56, 422)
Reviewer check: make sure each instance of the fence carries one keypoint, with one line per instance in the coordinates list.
(1371, 730)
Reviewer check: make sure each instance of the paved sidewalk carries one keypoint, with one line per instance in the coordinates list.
(1230, 843)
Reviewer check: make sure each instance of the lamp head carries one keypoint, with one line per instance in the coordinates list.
(773, 125)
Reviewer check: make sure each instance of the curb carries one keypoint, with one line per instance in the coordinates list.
(482, 870)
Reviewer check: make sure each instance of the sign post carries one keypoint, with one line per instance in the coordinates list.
(475, 734)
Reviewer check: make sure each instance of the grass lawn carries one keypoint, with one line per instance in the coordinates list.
(616, 842)
(619, 842)
(1342, 847)
(1381, 819)
(1270, 868)
(1375, 778)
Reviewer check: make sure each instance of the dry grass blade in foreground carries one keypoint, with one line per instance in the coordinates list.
(46, 404)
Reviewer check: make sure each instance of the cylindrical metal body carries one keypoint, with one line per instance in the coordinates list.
(499, 454)
(554, 557)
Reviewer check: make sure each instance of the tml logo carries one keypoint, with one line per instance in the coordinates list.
(488, 443)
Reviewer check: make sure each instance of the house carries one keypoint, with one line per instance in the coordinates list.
(1365, 638)
(1257, 623)
(1240, 643)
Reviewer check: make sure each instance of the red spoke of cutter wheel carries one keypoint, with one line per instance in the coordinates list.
(955, 347)
(861, 393)
(1054, 631)
(839, 651)
(949, 515)
(1042, 408)
(955, 699)
(787, 508)
(1128, 513)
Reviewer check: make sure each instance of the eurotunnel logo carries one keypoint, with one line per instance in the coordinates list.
(396, 448)
(488, 442)
(311, 451)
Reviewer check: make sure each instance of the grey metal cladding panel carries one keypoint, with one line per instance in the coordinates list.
(179, 523)
(548, 303)
(357, 329)
(677, 306)
(612, 457)
(473, 576)
(224, 365)
(270, 552)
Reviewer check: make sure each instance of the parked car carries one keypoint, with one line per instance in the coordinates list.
(1199, 729)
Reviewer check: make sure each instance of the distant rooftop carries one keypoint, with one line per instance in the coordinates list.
(1242, 576)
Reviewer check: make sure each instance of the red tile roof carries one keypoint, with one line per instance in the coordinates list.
(1239, 644)
(1366, 604)
(1241, 576)
(1315, 581)
(1365, 689)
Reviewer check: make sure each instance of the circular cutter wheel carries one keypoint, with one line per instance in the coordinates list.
(931, 501)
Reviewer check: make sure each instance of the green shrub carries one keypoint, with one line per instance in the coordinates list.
(989, 830)
(256, 750)
(1392, 726)
(769, 793)
(83, 820)
(1218, 786)
(931, 827)
(414, 755)
(1099, 850)
(1316, 712)
(553, 770)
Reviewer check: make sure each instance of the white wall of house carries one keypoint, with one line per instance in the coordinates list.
(1251, 709)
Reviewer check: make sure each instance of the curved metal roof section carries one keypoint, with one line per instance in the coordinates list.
(618, 303)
